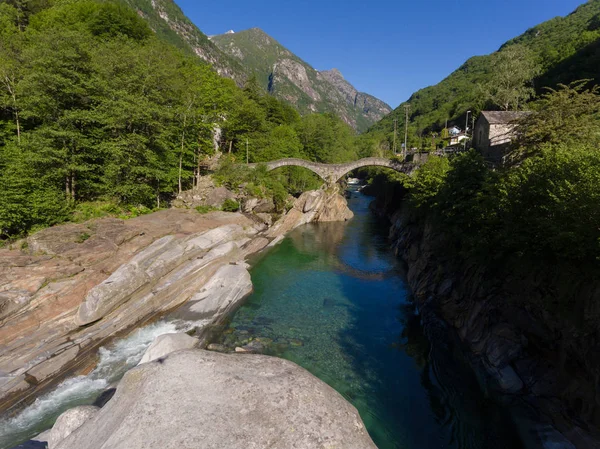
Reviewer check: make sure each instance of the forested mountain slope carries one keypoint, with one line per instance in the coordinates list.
(284, 75)
(99, 114)
(170, 24)
(291, 79)
(565, 49)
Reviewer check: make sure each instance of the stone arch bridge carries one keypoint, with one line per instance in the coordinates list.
(332, 173)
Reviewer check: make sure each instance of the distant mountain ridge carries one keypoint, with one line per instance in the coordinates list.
(288, 77)
(280, 72)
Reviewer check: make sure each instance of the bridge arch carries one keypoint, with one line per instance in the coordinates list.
(332, 173)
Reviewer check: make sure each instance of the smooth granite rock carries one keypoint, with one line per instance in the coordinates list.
(41, 339)
(68, 422)
(229, 285)
(166, 344)
(43, 437)
(149, 265)
(200, 399)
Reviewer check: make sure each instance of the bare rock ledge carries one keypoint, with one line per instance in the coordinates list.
(73, 287)
(197, 398)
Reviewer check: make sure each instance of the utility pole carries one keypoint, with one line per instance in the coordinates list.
(406, 109)
(466, 126)
(395, 133)
(246, 151)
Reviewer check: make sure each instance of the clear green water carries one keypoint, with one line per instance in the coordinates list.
(332, 298)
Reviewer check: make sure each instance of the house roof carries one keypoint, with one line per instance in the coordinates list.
(503, 117)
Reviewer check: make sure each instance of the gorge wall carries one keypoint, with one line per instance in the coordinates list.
(536, 361)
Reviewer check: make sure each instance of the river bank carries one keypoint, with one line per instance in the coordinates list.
(72, 289)
(332, 298)
(523, 358)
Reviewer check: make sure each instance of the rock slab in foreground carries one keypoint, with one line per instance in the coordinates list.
(68, 422)
(204, 399)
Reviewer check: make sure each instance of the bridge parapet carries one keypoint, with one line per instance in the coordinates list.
(332, 173)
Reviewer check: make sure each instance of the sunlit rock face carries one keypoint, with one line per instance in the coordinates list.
(198, 398)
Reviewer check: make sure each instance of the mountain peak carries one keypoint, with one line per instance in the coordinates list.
(289, 78)
(334, 73)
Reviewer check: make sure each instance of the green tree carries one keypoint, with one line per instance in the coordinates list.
(425, 185)
(568, 115)
(511, 84)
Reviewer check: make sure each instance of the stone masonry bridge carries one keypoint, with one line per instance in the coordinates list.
(332, 173)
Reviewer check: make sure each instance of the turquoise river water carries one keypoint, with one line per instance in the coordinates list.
(333, 299)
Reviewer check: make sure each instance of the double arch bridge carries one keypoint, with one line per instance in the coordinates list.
(332, 173)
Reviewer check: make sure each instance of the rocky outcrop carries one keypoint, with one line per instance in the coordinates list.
(68, 290)
(220, 294)
(199, 398)
(150, 265)
(123, 274)
(512, 347)
(205, 193)
(314, 206)
(68, 422)
(166, 344)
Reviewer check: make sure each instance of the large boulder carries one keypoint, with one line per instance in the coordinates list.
(264, 205)
(335, 209)
(205, 399)
(217, 197)
(68, 422)
(312, 206)
(166, 344)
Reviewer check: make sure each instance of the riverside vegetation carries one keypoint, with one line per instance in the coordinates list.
(100, 116)
(542, 208)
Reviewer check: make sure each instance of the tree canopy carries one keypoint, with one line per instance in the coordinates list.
(93, 106)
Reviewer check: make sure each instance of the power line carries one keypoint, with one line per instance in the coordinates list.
(406, 110)
(395, 132)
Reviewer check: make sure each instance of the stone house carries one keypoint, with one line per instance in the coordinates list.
(494, 132)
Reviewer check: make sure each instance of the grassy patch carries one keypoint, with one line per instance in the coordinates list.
(82, 237)
(230, 205)
(99, 209)
(205, 209)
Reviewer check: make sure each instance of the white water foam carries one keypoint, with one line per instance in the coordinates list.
(114, 360)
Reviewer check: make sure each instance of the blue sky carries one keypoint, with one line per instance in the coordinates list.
(386, 48)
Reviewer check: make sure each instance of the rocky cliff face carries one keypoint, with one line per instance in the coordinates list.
(372, 108)
(542, 369)
(290, 78)
(69, 289)
(170, 24)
